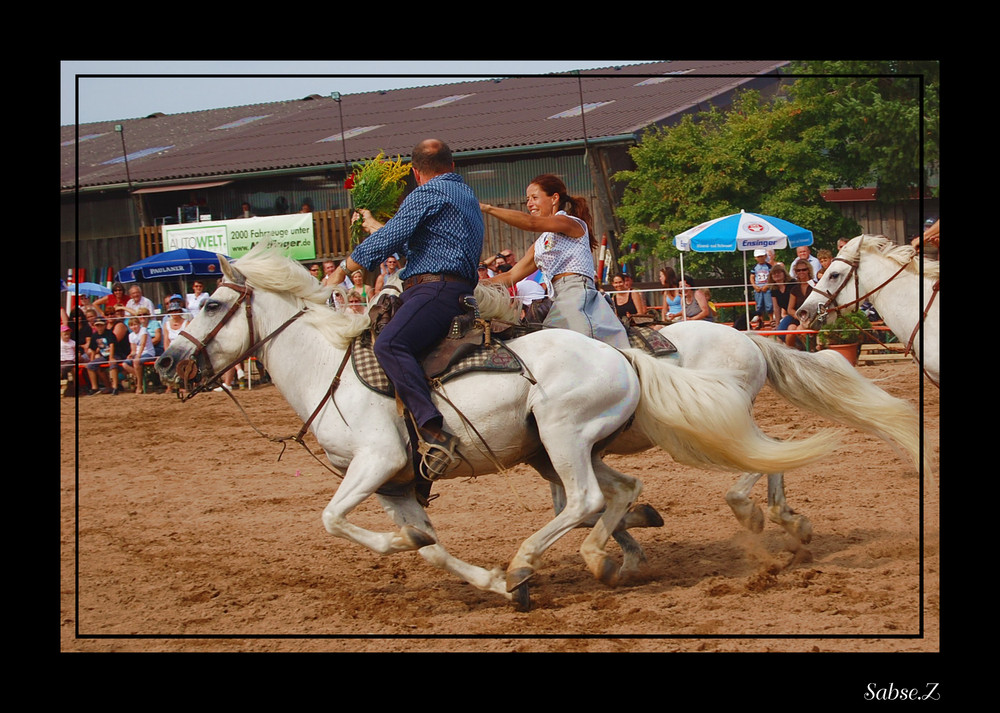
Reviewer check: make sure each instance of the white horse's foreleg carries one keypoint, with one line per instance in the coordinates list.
(408, 513)
(492, 580)
(747, 512)
(364, 476)
(798, 526)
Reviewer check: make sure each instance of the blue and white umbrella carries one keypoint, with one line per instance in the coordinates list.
(173, 264)
(742, 231)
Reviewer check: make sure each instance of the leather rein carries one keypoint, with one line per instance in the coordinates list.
(853, 266)
(187, 369)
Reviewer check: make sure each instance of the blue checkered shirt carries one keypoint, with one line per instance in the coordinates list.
(439, 227)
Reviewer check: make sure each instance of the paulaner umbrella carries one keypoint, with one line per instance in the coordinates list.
(171, 265)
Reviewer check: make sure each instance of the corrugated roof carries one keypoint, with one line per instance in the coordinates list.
(471, 116)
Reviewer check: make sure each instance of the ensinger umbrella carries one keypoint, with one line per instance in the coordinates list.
(172, 264)
(742, 231)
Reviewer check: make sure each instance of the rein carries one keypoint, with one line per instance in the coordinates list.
(188, 369)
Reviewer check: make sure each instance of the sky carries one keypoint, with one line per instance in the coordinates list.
(109, 97)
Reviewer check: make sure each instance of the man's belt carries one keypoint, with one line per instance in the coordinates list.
(433, 277)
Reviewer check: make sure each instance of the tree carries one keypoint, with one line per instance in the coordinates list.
(759, 157)
(869, 116)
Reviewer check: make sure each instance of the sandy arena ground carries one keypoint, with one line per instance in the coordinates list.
(182, 531)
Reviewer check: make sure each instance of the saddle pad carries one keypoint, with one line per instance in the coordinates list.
(650, 340)
(493, 358)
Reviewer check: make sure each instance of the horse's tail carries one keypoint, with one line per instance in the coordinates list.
(826, 384)
(704, 418)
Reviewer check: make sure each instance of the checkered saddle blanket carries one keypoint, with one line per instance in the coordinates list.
(650, 340)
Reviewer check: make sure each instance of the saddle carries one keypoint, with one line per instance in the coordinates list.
(469, 346)
(642, 334)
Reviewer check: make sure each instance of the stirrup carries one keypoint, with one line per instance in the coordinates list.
(437, 457)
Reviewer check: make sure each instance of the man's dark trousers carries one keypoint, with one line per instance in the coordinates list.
(419, 325)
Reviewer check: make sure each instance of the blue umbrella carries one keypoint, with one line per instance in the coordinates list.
(91, 289)
(172, 264)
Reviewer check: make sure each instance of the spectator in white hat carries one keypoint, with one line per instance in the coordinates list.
(760, 278)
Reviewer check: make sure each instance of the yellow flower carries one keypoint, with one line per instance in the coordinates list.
(377, 185)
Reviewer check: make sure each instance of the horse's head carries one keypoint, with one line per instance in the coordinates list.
(837, 290)
(215, 337)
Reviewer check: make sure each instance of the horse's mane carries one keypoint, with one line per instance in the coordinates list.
(901, 254)
(267, 269)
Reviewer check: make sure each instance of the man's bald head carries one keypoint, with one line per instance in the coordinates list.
(432, 157)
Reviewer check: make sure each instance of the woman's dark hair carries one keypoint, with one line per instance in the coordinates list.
(573, 205)
(670, 278)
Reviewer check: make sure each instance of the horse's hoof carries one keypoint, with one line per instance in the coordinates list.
(417, 538)
(517, 577)
(644, 515)
(608, 572)
(800, 528)
(521, 598)
(801, 556)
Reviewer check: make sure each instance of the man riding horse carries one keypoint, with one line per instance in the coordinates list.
(439, 228)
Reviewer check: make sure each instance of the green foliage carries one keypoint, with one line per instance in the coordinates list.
(848, 328)
(868, 115)
(755, 157)
(840, 124)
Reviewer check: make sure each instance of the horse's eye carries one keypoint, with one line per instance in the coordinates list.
(212, 305)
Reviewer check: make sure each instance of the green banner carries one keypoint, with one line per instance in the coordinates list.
(292, 233)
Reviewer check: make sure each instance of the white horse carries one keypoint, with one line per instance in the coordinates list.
(823, 383)
(573, 397)
(873, 268)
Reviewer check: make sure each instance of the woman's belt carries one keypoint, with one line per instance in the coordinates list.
(561, 275)
(433, 277)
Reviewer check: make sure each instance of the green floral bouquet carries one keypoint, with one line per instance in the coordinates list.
(376, 186)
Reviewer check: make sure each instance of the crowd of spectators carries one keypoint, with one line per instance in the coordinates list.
(109, 342)
(110, 338)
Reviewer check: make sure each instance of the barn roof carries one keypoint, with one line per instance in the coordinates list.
(473, 116)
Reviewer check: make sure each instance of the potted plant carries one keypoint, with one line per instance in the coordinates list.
(844, 334)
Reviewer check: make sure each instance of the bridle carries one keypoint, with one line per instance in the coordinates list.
(853, 266)
(187, 369)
